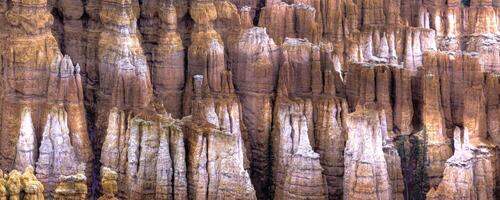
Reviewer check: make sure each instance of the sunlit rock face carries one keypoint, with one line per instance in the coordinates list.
(26, 145)
(56, 155)
(148, 155)
(124, 79)
(233, 99)
(292, 150)
(124, 90)
(217, 158)
(294, 21)
(217, 140)
(35, 54)
(369, 166)
(205, 54)
(21, 184)
(40, 80)
(469, 173)
(71, 187)
(229, 24)
(388, 87)
(435, 128)
(311, 118)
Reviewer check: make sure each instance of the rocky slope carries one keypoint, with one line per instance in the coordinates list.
(232, 99)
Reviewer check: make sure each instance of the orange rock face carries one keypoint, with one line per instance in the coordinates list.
(169, 58)
(233, 99)
(41, 80)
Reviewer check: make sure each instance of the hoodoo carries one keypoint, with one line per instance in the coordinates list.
(250, 99)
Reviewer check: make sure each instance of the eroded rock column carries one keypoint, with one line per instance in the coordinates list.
(148, 156)
(40, 80)
(255, 75)
(366, 175)
(168, 57)
(215, 144)
(124, 79)
(469, 173)
(438, 149)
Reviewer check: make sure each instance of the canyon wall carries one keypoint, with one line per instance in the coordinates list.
(232, 99)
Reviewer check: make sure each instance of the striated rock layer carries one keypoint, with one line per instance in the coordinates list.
(148, 155)
(217, 161)
(469, 173)
(232, 99)
(216, 149)
(255, 76)
(40, 80)
(367, 170)
(438, 150)
(56, 155)
(124, 79)
(168, 58)
(295, 162)
(71, 187)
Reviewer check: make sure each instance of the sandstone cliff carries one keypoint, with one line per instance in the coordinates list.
(232, 99)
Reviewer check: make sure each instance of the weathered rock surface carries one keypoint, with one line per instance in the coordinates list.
(57, 156)
(330, 134)
(21, 185)
(469, 173)
(255, 77)
(73, 33)
(124, 77)
(65, 91)
(149, 94)
(296, 168)
(26, 148)
(366, 168)
(109, 184)
(229, 25)
(438, 149)
(168, 68)
(38, 79)
(370, 85)
(72, 187)
(205, 54)
(216, 147)
(147, 153)
(148, 23)
(294, 21)
(215, 134)
(492, 87)
(302, 127)
(29, 50)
